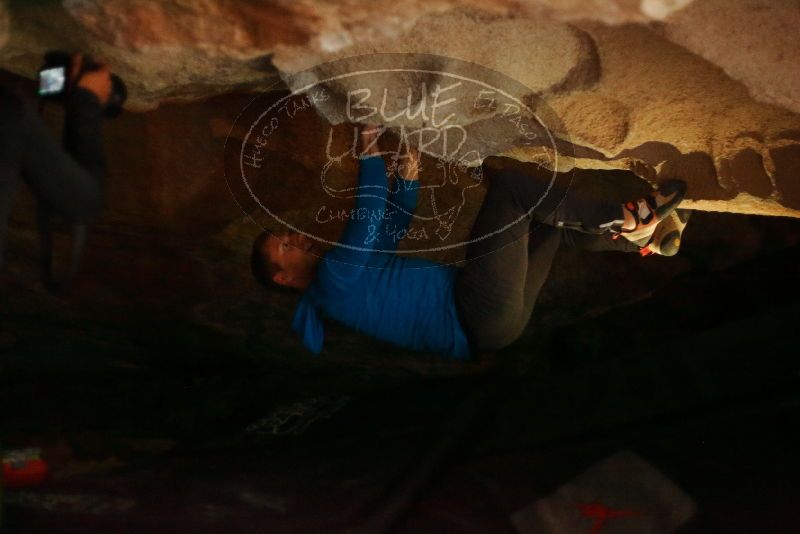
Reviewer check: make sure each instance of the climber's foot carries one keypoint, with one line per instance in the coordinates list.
(642, 216)
(666, 239)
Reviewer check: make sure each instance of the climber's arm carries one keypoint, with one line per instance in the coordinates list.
(361, 235)
(402, 200)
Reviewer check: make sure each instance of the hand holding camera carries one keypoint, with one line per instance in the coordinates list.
(98, 80)
(62, 72)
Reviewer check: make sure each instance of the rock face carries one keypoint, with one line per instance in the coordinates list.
(704, 90)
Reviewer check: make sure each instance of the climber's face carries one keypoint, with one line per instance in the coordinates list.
(292, 259)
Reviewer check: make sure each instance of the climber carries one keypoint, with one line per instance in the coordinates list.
(455, 311)
(66, 180)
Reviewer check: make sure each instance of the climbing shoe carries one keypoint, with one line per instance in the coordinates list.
(650, 210)
(666, 239)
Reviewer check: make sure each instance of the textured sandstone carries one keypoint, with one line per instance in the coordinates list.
(756, 42)
(5, 29)
(624, 93)
(705, 90)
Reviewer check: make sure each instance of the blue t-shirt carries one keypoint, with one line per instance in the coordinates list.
(405, 301)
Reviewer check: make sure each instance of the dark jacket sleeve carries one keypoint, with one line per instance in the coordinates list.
(68, 179)
(82, 137)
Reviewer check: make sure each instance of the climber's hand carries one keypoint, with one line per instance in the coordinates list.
(410, 166)
(369, 139)
(98, 81)
(643, 170)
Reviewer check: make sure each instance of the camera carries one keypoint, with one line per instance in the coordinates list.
(55, 80)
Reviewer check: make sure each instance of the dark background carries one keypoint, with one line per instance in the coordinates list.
(167, 408)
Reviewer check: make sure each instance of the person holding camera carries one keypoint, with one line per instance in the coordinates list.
(66, 181)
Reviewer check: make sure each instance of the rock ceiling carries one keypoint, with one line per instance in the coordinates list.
(707, 90)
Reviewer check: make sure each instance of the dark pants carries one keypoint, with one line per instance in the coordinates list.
(527, 212)
(65, 180)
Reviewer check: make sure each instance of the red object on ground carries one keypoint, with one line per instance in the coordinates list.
(24, 469)
(601, 514)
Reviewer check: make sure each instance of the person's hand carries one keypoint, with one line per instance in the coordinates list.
(97, 81)
(643, 170)
(409, 169)
(369, 139)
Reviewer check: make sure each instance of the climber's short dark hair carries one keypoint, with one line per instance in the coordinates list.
(262, 268)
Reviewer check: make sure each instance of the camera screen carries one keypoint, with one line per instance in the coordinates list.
(51, 81)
